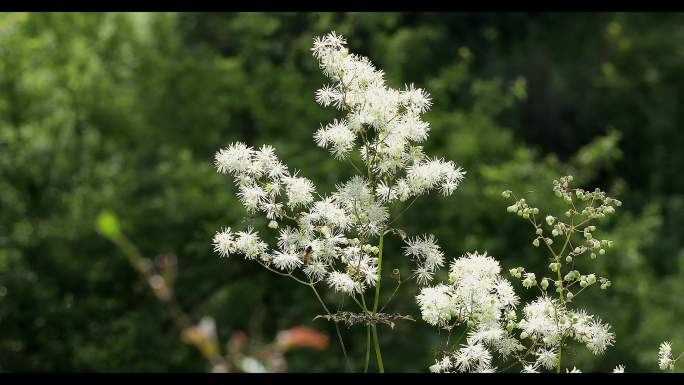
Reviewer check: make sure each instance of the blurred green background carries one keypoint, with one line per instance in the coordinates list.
(125, 112)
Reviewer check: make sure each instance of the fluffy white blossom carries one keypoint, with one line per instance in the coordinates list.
(337, 136)
(427, 255)
(473, 358)
(547, 358)
(597, 336)
(665, 359)
(237, 157)
(224, 242)
(476, 296)
(619, 369)
(252, 197)
(249, 244)
(316, 270)
(435, 304)
(328, 212)
(299, 191)
(342, 282)
(286, 260)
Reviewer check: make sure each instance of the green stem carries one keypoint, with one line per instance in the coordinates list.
(377, 286)
(376, 303)
(378, 355)
(368, 335)
(337, 328)
(368, 345)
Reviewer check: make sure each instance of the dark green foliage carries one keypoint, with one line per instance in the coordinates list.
(125, 111)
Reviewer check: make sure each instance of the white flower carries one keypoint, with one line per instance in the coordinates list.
(431, 173)
(505, 293)
(423, 275)
(299, 191)
(415, 99)
(266, 162)
(435, 304)
(286, 260)
(547, 358)
(489, 334)
(540, 320)
(530, 368)
(574, 370)
(235, 158)
(474, 264)
(328, 212)
(316, 270)
(619, 369)
(426, 250)
(385, 193)
(370, 273)
(252, 197)
(330, 41)
(337, 136)
(599, 337)
(224, 242)
(249, 244)
(473, 357)
(342, 282)
(272, 210)
(328, 95)
(665, 359)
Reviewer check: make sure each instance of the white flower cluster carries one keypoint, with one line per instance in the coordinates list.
(546, 323)
(319, 236)
(387, 122)
(266, 185)
(666, 360)
(427, 255)
(480, 298)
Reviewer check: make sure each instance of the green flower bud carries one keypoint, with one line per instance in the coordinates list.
(570, 296)
(544, 283)
(536, 242)
(568, 259)
(550, 220)
(506, 194)
(540, 231)
(591, 279)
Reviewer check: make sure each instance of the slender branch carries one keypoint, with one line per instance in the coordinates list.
(337, 328)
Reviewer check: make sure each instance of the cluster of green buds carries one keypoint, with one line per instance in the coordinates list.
(368, 248)
(562, 189)
(597, 203)
(584, 206)
(520, 207)
(529, 280)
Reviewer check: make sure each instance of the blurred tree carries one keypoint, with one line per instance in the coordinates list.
(125, 112)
